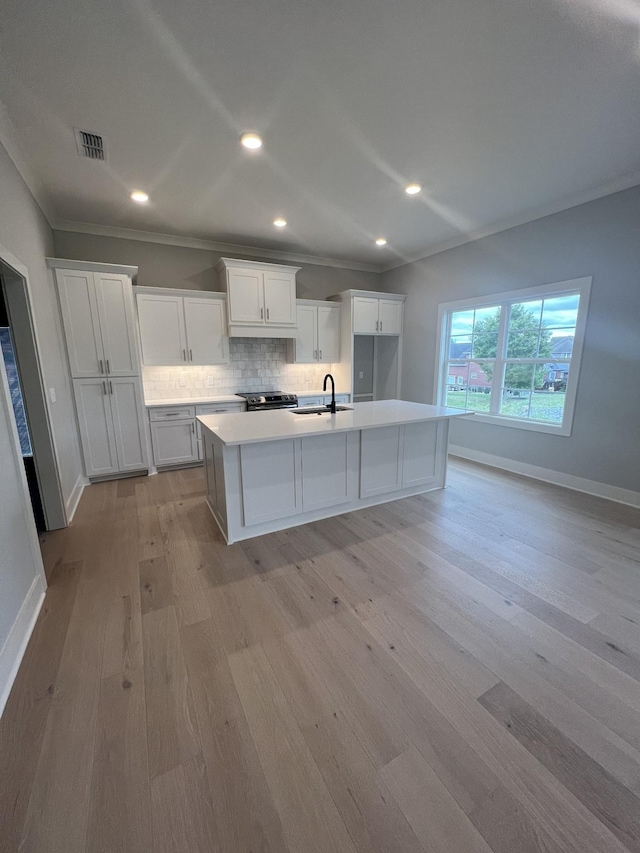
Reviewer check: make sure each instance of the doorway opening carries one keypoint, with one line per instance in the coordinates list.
(20, 356)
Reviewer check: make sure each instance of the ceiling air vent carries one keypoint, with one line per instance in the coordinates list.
(90, 145)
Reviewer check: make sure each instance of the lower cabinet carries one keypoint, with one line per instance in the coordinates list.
(176, 435)
(111, 425)
(174, 442)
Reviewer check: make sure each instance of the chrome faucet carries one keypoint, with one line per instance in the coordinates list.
(332, 407)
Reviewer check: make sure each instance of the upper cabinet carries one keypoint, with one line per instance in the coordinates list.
(98, 318)
(318, 336)
(182, 328)
(261, 298)
(373, 315)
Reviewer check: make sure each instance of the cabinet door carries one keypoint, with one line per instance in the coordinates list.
(390, 316)
(81, 322)
(421, 460)
(174, 442)
(365, 315)
(280, 298)
(270, 475)
(96, 426)
(162, 329)
(307, 337)
(325, 470)
(126, 409)
(380, 464)
(115, 308)
(328, 333)
(207, 342)
(245, 296)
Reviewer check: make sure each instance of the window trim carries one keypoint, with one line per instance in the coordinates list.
(576, 285)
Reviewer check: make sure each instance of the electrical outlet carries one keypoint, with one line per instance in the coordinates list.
(209, 380)
(182, 382)
(361, 374)
(52, 394)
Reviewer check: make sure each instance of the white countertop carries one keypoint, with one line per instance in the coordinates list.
(194, 401)
(251, 427)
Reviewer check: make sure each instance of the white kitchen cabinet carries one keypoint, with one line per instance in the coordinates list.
(162, 331)
(261, 298)
(128, 422)
(279, 297)
(96, 427)
(173, 445)
(377, 316)
(270, 480)
(318, 337)
(96, 302)
(110, 419)
(174, 442)
(380, 461)
(325, 473)
(370, 363)
(390, 313)
(365, 315)
(181, 328)
(97, 314)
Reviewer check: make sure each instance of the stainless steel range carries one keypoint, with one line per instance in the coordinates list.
(257, 402)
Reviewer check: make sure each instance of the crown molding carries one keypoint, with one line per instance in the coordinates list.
(618, 185)
(207, 245)
(10, 141)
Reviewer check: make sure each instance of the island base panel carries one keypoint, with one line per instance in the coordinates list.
(259, 488)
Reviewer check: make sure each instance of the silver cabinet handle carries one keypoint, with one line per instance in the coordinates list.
(267, 313)
(315, 354)
(193, 427)
(104, 387)
(101, 366)
(377, 324)
(380, 325)
(110, 387)
(171, 414)
(320, 355)
(184, 355)
(191, 354)
(108, 368)
(262, 313)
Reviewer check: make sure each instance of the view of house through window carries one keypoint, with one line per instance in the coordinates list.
(512, 359)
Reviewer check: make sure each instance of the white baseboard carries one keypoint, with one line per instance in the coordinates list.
(74, 498)
(548, 475)
(12, 652)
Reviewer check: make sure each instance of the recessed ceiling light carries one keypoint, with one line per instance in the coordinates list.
(381, 241)
(251, 140)
(412, 189)
(279, 222)
(139, 196)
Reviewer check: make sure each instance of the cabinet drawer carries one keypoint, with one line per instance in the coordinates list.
(171, 413)
(311, 401)
(219, 408)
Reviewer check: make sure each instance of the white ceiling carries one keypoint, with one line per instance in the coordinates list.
(502, 109)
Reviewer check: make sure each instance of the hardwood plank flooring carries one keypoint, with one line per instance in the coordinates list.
(458, 671)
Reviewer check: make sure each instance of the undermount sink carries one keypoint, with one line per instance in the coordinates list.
(320, 410)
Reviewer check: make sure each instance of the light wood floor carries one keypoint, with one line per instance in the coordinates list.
(454, 673)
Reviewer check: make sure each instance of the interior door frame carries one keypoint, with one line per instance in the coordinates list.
(17, 294)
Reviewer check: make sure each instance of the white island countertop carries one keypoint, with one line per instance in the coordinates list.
(253, 427)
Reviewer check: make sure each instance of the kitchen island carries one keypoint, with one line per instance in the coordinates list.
(268, 471)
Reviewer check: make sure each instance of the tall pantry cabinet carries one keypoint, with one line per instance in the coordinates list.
(96, 301)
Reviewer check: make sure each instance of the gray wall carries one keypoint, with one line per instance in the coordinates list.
(599, 239)
(25, 234)
(175, 266)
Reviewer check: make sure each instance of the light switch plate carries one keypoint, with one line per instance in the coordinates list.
(361, 374)
(182, 382)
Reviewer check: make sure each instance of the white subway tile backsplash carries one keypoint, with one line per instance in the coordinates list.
(255, 365)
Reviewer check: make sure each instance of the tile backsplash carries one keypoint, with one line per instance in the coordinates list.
(256, 364)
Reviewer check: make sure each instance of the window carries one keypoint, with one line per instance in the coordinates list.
(522, 351)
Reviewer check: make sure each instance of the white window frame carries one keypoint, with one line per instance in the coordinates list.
(582, 286)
